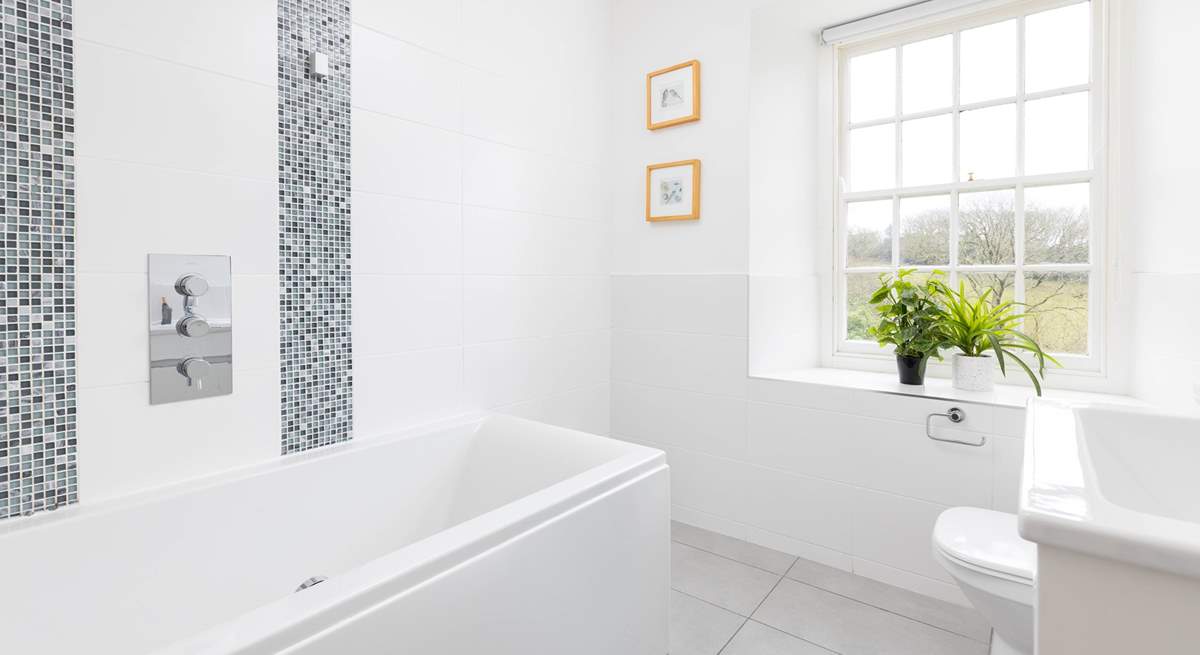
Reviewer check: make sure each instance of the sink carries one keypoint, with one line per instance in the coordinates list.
(1113, 481)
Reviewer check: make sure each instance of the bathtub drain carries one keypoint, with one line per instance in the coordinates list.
(311, 582)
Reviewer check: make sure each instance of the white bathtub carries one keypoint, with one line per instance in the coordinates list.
(486, 535)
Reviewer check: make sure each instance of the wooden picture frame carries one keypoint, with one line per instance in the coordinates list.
(667, 95)
(671, 199)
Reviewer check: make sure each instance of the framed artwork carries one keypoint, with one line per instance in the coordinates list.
(673, 95)
(673, 191)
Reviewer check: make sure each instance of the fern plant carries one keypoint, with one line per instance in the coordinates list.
(978, 326)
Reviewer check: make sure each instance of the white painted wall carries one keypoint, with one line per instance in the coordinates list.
(481, 211)
(481, 218)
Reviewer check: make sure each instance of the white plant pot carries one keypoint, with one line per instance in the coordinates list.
(973, 373)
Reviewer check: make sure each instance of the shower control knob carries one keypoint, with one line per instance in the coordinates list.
(195, 369)
(192, 326)
(192, 285)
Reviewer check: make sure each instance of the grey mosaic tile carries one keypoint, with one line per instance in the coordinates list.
(37, 335)
(316, 372)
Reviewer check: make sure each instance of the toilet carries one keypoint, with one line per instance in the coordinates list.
(995, 569)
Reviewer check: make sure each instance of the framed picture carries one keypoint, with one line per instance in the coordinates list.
(673, 95)
(673, 191)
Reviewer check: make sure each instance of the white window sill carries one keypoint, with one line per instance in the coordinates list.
(1004, 395)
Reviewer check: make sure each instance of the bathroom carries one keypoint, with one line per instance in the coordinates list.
(545, 326)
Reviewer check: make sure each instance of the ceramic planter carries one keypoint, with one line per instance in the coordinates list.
(912, 369)
(973, 373)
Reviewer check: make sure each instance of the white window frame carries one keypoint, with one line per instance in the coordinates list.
(864, 354)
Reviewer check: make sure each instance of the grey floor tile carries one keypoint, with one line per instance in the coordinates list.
(700, 628)
(955, 618)
(735, 586)
(742, 551)
(853, 628)
(757, 639)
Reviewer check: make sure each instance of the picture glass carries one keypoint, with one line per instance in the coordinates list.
(671, 191)
(671, 95)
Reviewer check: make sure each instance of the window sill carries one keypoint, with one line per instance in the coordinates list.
(1004, 395)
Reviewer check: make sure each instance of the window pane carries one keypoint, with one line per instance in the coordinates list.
(985, 227)
(1003, 287)
(925, 231)
(860, 315)
(873, 157)
(1057, 224)
(988, 143)
(873, 86)
(928, 74)
(1058, 307)
(927, 148)
(988, 62)
(1056, 134)
(1057, 46)
(869, 233)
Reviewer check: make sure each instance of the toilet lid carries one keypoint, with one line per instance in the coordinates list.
(986, 539)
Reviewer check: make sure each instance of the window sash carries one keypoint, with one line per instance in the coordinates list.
(1096, 266)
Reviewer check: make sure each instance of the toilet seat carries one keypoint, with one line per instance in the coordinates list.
(986, 542)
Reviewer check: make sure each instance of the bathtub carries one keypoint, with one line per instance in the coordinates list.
(482, 535)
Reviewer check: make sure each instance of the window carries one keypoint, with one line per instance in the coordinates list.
(970, 148)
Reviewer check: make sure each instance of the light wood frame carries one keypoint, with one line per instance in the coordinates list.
(695, 214)
(695, 115)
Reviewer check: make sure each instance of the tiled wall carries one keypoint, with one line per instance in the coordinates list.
(37, 335)
(316, 358)
(481, 232)
(845, 477)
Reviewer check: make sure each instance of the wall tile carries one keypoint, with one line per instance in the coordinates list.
(405, 81)
(1006, 483)
(702, 304)
(702, 363)
(394, 314)
(897, 531)
(398, 236)
(700, 422)
(431, 24)
(138, 25)
(126, 102)
(401, 158)
(506, 372)
(816, 510)
(513, 307)
(394, 392)
(580, 409)
(504, 177)
(499, 242)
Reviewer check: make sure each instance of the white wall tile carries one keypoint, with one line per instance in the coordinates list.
(580, 409)
(127, 102)
(800, 507)
(702, 363)
(129, 210)
(897, 531)
(714, 485)
(255, 322)
(112, 325)
(399, 79)
(700, 422)
(401, 158)
(431, 24)
(395, 236)
(499, 242)
(1006, 483)
(702, 304)
(513, 307)
(504, 177)
(199, 34)
(394, 392)
(394, 314)
(506, 372)
(132, 445)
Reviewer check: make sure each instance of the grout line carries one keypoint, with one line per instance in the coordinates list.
(736, 561)
(794, 636)
(268, 86)
(760, 604)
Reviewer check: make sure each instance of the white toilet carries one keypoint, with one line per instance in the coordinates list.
(995, 568)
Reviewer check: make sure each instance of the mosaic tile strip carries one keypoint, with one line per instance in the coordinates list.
(316, 376)
(37, 336)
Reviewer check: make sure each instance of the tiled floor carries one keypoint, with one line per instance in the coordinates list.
(735, 598)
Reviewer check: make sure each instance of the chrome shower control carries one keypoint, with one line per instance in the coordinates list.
(192, 285)
(193, 326)
(195, 369)
(190, 303)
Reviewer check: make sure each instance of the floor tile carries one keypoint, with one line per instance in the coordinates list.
(742, 551)
(732, 585)
(700, 628)
(948, 616)
(853, 628)
(757, 639)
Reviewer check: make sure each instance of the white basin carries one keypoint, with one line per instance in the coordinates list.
(1117, 482)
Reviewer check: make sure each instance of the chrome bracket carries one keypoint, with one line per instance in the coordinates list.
(955, 415)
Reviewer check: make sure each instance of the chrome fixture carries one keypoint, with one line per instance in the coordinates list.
(193, 357)
(956, 416)
(311, 582)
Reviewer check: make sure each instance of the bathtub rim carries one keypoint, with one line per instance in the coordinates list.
(291, 620)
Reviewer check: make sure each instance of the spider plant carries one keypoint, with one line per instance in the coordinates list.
(979, 325)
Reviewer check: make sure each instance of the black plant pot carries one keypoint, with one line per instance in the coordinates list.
(912, 369)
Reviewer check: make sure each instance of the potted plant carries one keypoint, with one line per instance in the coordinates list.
(977, 327)
(910, 319)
